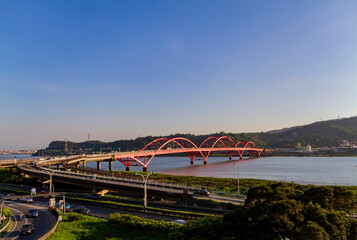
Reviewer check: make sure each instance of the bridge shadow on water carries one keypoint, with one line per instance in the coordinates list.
(222, 169)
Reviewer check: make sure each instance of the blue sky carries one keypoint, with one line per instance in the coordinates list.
(123, 69)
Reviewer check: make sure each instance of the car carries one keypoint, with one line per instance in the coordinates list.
(67, 205)
(33, 213)
(202, 192)
(10, 195)
(180, 221)
(93, 196)
(44, 191)
(27, 229)
(27, 200)
(81, 209)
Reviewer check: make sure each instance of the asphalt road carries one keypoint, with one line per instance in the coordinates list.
(222, 198)
(43, 223)
(104, 212)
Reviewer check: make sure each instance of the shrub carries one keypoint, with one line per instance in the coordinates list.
(75, 217)
(142, 223)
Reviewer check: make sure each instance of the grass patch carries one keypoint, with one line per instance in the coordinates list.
(95, 228)
(6, 229)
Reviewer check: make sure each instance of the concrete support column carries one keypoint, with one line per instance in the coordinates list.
(77, 164)
(192, 162)
(145, 169)
(98, 165)
(58, 166)
(127, 169)
(205, 162)
(84, 164)
(110, 165)
(230, 158)
(240, 158)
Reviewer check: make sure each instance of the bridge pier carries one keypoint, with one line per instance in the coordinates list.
(98, 165)
(240, 157)
(205, 161)
(192, 162)
(110, 163)
(145, 169)
(230, 158)
(58, 166)
(77, 164)
(127, 168)
(84, 164)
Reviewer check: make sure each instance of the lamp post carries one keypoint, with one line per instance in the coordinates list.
(51, 185)
(145, 179)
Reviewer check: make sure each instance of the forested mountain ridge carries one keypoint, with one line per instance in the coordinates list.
(319, 134)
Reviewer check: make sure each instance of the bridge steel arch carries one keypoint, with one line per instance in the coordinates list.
(217, 140)
(144, 156)
(245, 145)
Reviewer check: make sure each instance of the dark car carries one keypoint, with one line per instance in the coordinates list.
(27, 229)
(202, 192)
(80, 209)
(44, 191)
(93, 196)
(33, 213)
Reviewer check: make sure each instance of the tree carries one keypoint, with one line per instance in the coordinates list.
(319, 194)
(312, 231)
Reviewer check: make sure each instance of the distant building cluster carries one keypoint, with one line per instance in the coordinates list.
(346, 147)
(7, 152)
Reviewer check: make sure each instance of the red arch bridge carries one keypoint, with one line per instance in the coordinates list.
(166, 146)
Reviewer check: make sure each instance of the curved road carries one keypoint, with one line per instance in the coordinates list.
(43, 223)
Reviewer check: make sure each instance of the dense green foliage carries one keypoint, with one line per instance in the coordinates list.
(280, 211)
(324, 133)
(8, 175)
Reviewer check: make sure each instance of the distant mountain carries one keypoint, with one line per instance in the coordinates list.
(319, 134)
(324, 133)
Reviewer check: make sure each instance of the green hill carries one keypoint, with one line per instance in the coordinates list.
(324, 133)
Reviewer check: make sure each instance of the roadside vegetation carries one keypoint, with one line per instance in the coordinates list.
(7, 215)
(272, 211)
(8, 175)
(76, 226)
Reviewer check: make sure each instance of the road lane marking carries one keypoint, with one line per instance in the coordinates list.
(15, 222)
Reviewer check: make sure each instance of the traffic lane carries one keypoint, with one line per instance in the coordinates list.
(104, 212)
(43, 223)
(222, 198)
(18, 220)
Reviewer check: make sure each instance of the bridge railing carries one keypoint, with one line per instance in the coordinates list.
(94, 177)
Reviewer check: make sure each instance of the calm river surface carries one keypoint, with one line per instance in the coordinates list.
(304, 170)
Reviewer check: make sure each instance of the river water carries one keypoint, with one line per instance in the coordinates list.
(303, 170)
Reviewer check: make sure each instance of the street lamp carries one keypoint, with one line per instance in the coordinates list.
(51, 185)
(145, 179)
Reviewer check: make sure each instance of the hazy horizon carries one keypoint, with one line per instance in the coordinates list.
(124, 69)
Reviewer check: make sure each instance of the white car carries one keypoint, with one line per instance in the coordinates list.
(180, 221)
(27, 200)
